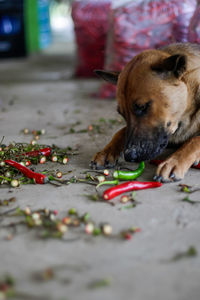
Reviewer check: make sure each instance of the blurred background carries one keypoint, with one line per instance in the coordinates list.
(29, 26)
(97, 33)
(48, 51)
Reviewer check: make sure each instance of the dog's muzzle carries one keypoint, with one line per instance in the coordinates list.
(145, 147)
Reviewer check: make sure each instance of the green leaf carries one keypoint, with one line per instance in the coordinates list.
(128, 206)
(93, 197)
(190, 252)
(187, 199)
(100, 283)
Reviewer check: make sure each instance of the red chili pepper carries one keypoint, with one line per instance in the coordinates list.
(156, 161)
(159, 161)
(129, 186)
(39, 178)
(35, 153)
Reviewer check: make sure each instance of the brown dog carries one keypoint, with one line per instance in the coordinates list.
(158, 94)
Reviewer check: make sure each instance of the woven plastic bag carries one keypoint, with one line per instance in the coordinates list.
(91, 26)
(194, 30)
(143, 24)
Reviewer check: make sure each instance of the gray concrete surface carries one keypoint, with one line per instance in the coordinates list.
(40, 93)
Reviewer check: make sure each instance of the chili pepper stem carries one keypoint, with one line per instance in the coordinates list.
(115, 182)
(66, 181)
(5, 178)
(53, 178)
(86, 181)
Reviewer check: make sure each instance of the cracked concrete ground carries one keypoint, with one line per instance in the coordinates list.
(40, 92)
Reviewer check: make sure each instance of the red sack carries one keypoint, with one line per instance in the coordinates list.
(91, 26)
(144, 24)
(181, 24)
(194, 30)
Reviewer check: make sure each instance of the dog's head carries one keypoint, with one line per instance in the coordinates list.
(152, 98)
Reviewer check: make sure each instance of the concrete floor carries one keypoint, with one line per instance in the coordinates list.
(40, 93)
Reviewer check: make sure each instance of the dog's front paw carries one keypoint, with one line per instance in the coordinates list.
(104, 159)
(172, 169)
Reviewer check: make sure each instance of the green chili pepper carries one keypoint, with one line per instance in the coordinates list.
(115, 182)
(129, 175)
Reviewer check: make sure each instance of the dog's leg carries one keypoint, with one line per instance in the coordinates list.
(107, 158)
(175, 167)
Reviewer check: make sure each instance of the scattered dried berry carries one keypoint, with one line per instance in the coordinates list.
(28, 163)
(59, 174)
(101, 178)
(125, 199)
(106, 172)
(33, 142)
(65, 160)
(26, 131)
(27, 211)
(89, 228)
(62, 227)
(14, 183)
(106, 229)
(67, 220)
(43, 159)
(54, 158)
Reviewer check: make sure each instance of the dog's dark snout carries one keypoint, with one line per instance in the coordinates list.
(164, 141)
(130, 155)
(146, 146)
(137, 153)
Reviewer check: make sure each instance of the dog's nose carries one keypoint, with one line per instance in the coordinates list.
(130, 155)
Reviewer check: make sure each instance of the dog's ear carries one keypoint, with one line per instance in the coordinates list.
(174, 63)
(109, 76)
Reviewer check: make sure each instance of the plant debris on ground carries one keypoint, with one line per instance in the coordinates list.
(46, 224)
(190, 252)
(30, 155)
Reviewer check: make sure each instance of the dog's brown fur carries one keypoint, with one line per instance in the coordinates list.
(168, 80)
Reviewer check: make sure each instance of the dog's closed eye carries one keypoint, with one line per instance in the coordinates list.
(141, 109)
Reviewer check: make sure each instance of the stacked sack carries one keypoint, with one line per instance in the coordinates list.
(91, 26)
(143, 24)
(109, 34)
(194, 29)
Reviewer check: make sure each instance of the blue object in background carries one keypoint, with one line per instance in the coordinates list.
(12, 37)
(44, 24)
(10, 25)
(13, 14)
